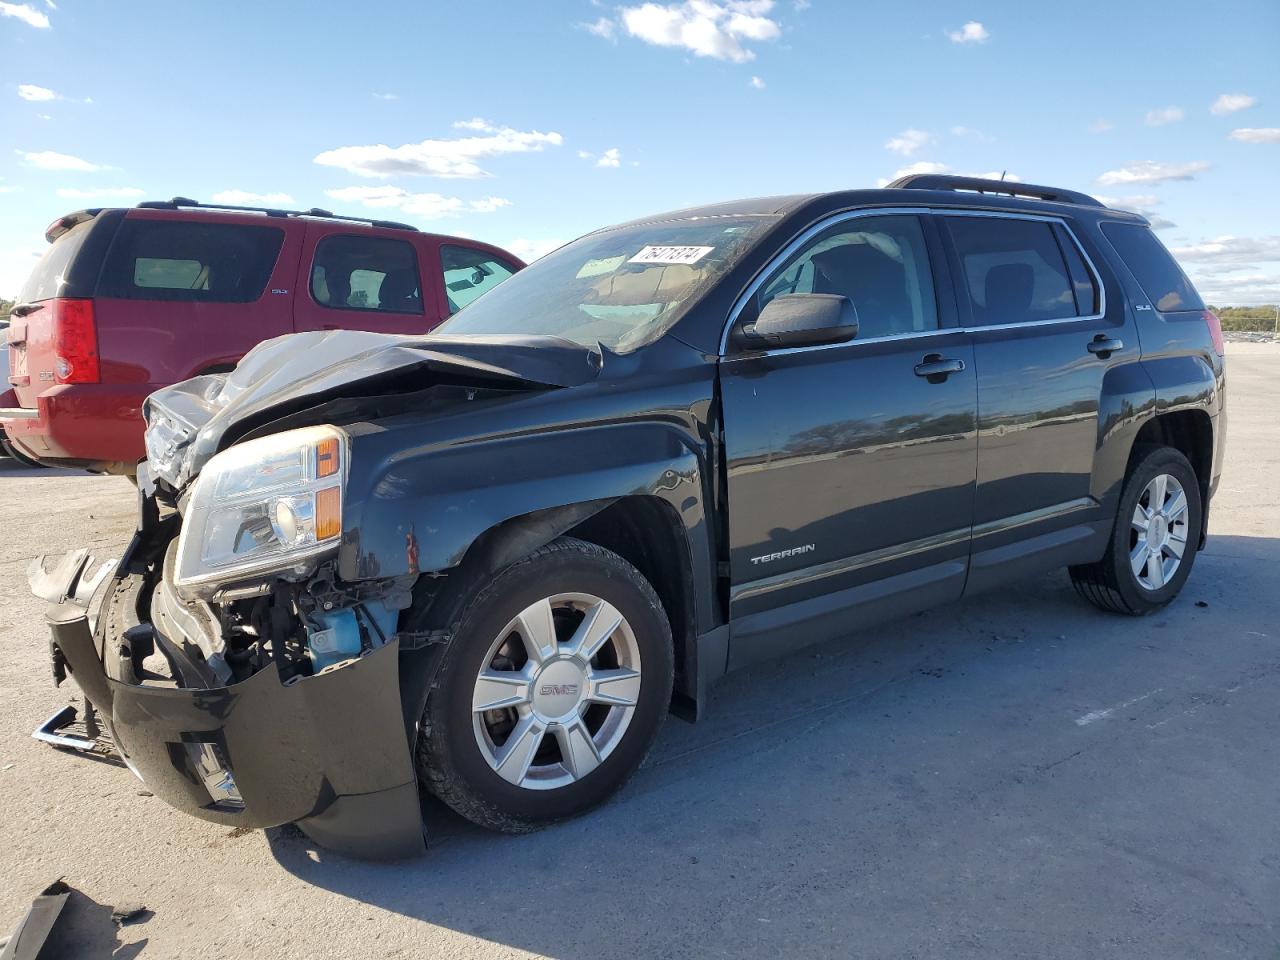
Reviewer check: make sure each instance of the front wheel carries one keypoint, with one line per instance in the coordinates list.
(1155, 539)
(552, 690)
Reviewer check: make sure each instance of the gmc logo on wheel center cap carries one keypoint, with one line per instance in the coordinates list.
(558, 690)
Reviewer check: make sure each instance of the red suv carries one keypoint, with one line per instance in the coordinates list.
(126, 301)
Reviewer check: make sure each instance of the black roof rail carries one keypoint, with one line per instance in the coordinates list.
(1012, 188)
(184, 203)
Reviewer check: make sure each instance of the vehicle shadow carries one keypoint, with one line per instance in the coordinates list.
(12, 468)
(934, 778)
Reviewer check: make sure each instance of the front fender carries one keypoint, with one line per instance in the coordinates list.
(412, 511)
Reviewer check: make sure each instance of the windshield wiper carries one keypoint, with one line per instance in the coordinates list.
(22, 309)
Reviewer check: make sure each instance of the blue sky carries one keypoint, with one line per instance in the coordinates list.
(527, 124)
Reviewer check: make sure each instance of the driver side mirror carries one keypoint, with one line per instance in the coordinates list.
(801, 320)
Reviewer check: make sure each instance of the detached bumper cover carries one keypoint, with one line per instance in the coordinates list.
(328, 752)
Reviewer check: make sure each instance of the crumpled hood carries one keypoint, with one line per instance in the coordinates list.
(186, 423)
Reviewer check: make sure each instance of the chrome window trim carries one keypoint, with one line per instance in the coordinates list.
(833, 220)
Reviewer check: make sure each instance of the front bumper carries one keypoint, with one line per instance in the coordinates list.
(328, 752)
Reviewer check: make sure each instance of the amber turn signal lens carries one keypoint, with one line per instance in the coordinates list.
(327, 457)
(328, 513)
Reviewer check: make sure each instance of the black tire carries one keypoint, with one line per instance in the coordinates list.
(1111, 583)
(449, 760)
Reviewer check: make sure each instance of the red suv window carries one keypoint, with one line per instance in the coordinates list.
(190, 261)
(366, 273)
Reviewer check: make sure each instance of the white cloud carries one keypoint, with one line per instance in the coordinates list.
(603, 28)
(530, 250)
(26, 13)
(909, 141)
(969, 133)
(427, 206)
(1101, 126)
(920, 166)
(1158, 118)
(1150, 171)
(29, 91)
(610, 158)
(386, 96)
(585, 154)
(758, 83)
(971, 32)
(1232, 102)
(454, 159)
(94, 193)
(801, 5)
(243, 198)
(51, 160)
(479, 124)
(8, 188)
(1256, 134)
(1228, 249)
(705, 28)
(1142, 204)
(1134, 202)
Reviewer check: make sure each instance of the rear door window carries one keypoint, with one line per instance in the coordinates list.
(469, 272)
(190, 261)
(1159, 275)
(366, 273)
(1013, 270)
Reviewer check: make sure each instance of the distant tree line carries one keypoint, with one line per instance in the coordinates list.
(1262, 317)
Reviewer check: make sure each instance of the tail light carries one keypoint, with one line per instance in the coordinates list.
(1215, 332)
(75, 342)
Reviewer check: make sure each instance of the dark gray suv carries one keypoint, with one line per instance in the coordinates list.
(487, 562)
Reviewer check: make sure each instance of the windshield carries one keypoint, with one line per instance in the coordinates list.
(623, 288)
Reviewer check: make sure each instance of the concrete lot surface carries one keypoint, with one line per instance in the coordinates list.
(1016, 776)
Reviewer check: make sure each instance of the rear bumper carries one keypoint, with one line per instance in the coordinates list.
(328, 752)
(87, 423)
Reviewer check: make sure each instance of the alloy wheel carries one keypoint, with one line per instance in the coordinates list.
(556, 691)
(1158, 532)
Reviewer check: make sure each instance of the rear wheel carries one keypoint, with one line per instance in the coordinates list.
(551, 691)
(1154, 543)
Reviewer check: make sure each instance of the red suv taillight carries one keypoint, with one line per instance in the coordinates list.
(75, 342)
(1215, 331)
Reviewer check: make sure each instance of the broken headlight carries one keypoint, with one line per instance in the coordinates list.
(263, 506)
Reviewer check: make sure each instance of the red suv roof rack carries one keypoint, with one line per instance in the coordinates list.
(1012, 188)
(184, 203)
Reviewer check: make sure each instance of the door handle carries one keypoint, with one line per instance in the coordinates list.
(936, 368)
(1103, 346)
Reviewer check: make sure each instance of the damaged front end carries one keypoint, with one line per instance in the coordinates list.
(247, 686)
(240, 676)
(247, 710)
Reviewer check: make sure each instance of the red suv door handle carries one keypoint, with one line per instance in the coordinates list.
(1103, 346)
(936, 368)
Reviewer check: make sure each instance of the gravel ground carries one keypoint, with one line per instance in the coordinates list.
(1015, 776)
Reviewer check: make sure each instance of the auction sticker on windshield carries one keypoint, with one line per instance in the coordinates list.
(671, 254)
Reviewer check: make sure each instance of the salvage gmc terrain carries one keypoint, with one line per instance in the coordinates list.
(486, 562)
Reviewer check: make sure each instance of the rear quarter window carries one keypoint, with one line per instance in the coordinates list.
(1157, 273)
(190, 261)
(54, 265)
